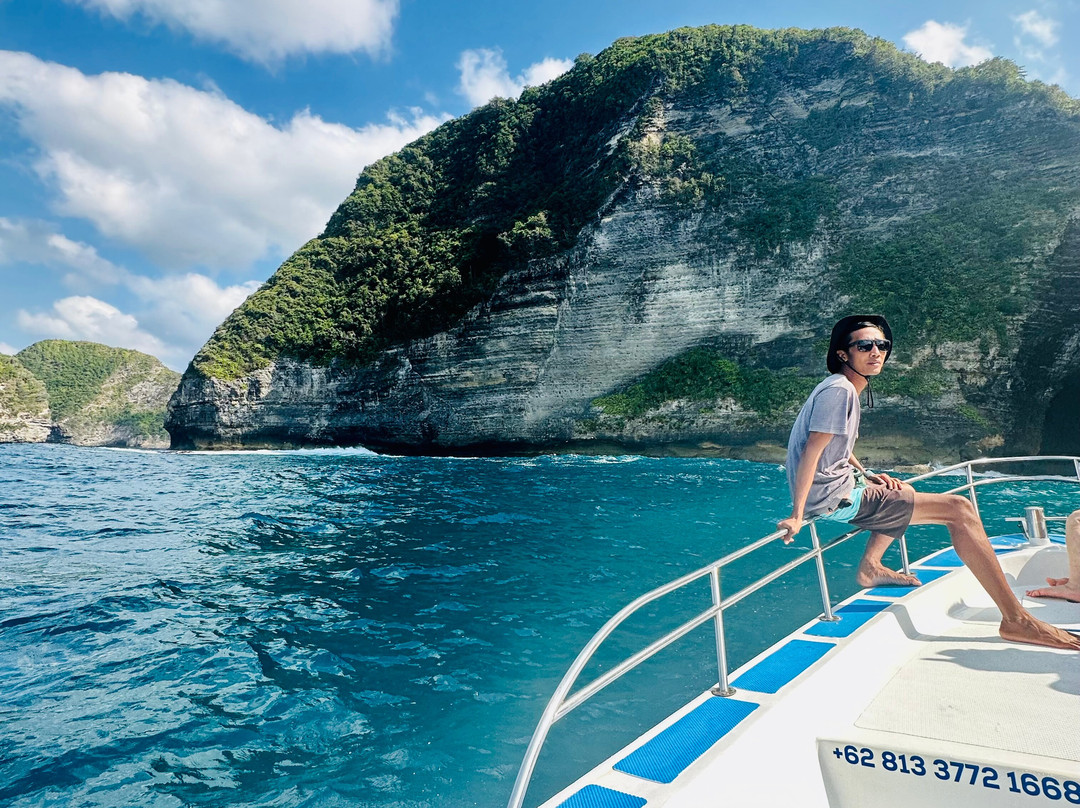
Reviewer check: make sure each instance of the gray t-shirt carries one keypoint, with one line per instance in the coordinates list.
(833, 407)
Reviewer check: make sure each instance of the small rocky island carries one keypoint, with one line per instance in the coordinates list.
(86, 394)
(647, 253)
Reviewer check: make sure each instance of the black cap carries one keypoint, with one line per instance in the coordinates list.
(844, 328)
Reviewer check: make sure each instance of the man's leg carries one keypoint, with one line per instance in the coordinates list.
(872, 572)
(1066, 588)
(972, 545)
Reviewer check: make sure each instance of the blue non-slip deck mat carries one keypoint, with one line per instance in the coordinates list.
(663, 757)
(949, 558)
(852, 616)
(782, 665)
(600, 797)
(926, 576)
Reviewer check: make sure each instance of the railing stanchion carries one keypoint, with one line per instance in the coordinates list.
(562, 702)
(905, 566)
(971, 490)
(722, 688)
(819, 559)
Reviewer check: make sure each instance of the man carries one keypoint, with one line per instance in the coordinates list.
(822, 469)
(1066, 588)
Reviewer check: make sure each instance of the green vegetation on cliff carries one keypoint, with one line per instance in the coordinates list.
(785, 177)
(953, 274)
(703, 375)
(428, 232)
(94, 389)
(73, 372)
(21, 393)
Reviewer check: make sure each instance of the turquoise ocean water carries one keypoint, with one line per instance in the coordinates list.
(344, 629)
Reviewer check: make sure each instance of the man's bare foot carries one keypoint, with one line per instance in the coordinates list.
(879, 575)
(1059, 588)
(1028, 629)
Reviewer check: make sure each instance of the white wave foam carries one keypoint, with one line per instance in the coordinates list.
(322, 451)
(131, 449)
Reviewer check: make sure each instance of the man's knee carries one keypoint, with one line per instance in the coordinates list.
(961, 511)
(1072, 524)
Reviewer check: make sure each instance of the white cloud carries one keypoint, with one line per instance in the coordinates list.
(179, 311)
(1042, 29)
(945, 43)
(544, 71)
(267, 31)
(484, 75)
(187, 176)
(1035, 34)
(1060, 77)
(37, 242)
(185, 309)
(8, 350)
(87, 318)
(175, 316)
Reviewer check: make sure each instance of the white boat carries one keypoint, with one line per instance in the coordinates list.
(894, 697)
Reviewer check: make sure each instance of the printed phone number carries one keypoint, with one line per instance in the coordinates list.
(959, 772)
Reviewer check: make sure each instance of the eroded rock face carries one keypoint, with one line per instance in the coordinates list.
(24, 404)
(654, 276)
(25, 430)
(521, 371)
(131, 393)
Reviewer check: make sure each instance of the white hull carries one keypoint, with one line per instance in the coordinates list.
(928, 678)
(909, 698)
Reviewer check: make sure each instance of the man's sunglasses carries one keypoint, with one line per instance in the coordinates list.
(867, 345)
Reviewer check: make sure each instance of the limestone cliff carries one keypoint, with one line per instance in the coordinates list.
(24, 404)
(99, 396)
(649, 251)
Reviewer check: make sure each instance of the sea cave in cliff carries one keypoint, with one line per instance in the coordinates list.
(1061, 429)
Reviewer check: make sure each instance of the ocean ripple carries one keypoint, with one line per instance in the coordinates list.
(333, 627)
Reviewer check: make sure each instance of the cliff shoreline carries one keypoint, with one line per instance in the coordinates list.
(649, 252)
(903, 455)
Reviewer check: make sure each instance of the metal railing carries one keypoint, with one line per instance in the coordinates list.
(563, 702)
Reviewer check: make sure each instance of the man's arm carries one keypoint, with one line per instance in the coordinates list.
(876, 479)
(804, 479)
(853, 460)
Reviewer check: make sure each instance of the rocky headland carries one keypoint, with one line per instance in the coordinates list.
(83, 393)
(647, 253)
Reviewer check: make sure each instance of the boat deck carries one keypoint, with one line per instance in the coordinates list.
(884, 707)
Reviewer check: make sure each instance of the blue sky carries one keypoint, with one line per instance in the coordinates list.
(160, 158)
